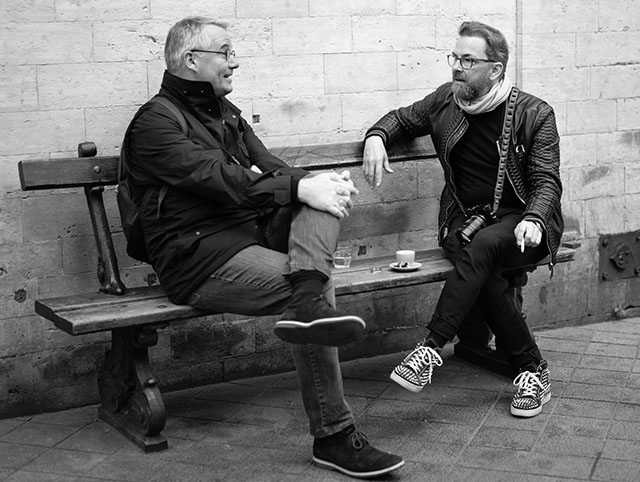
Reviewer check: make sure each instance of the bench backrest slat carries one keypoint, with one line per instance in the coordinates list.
(68, 172)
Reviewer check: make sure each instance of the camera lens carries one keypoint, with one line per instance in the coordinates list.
(474, 224)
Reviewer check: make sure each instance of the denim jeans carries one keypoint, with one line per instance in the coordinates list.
(254, 282)
(478, 282)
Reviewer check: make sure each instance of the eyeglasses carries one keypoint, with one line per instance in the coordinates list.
(465, 62)
(227, 53)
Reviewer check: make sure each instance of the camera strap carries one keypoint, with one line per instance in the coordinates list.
(503, 147)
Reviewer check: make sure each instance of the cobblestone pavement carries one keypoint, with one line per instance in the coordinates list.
(457, 429)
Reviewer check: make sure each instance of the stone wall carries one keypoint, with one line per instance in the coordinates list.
(311, 72)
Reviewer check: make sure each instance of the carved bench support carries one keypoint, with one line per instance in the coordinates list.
(131, 400)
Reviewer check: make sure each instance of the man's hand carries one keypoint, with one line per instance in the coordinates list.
(329, 191)
(527, 234)
(374, 160)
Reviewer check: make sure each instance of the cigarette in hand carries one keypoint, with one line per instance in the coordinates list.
(522, 246)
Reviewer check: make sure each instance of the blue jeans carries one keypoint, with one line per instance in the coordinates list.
(254, 282)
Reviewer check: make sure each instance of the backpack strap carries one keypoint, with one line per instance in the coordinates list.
(171, 107)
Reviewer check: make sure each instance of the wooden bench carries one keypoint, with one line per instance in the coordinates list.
(130, 396)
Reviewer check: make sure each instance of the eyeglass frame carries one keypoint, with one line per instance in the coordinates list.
(227, 53)
(466, 59)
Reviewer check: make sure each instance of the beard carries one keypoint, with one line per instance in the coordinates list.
(470, 91)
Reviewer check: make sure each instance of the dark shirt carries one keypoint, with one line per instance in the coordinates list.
(475, 159)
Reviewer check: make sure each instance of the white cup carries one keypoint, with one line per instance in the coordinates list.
(405, 257)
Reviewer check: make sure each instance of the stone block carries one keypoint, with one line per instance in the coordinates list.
(74, 11)
(402, 184)
(618, 15)
(20, 335)
(315, 35)
(548, 16)
(258, 364)
(129, 41)
(55, 217)
(573, 213)
(361, 110)
(591, 116)
(419, 7)
(19, 92)
(382, 33)
(70, 366)
(299, 114)
(79, 255)
(21, 263)
(106, 126)
(392, 217)
(42, 131)
(548, 51)
(607, 48)
(66, 86)
(28, 11)
(322, 8)
(615, 81)
(631, 210)
(345, 72)
(579, 150)
(214, 338)
(16, 381)
(11, 221)
(422, 69)
(558, 84)
(604, 215)
(42, 40)
(628, 114)
(177, 376)
(552, 303)
(274, 8)
(618, 147)
(596, 182)
(252, 37)
(305, 76)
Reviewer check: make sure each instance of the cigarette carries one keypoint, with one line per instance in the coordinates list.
(522, 246)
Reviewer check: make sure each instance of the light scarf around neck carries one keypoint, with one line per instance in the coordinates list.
(492, 99)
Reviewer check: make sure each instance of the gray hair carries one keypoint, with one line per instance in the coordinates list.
(497, 46)
(185, 35)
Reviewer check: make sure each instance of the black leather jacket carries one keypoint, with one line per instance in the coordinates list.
(533, 161)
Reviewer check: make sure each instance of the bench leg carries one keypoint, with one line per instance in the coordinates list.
(131, 400)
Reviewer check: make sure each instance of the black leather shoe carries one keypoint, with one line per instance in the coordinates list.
(311, 319)
(349, 452)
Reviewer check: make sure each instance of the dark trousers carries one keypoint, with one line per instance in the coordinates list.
(480, 286)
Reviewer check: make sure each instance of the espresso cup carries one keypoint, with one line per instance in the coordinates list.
(405, 257)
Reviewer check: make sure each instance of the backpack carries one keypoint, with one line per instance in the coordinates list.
(130, 214)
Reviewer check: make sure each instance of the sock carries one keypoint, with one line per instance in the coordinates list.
(308, 281)
(435, 340)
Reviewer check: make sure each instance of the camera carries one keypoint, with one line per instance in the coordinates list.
(478, 217)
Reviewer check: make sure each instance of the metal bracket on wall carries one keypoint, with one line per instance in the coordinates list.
(619, 256)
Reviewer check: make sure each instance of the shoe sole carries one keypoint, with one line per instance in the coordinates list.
(517, 412)
(360, 475)
(336, 331)
(405, 384)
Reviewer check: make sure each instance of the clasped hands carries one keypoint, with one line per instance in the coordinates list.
(328, 191)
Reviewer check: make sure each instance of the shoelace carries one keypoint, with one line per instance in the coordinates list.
(358, 440)
(526, 383)
(421, 356)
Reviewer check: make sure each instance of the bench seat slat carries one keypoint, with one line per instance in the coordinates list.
(96, 312)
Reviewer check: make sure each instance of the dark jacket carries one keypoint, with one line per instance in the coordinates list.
(210, 210)
(533, 161)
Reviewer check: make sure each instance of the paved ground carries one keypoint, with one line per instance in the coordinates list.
(457, 429)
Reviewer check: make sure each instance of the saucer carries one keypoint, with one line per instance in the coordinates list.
(411, 267)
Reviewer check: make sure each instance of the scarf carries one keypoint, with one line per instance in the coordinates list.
(492, 99)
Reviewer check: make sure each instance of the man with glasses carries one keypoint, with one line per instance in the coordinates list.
(499, 210)
(231, 228)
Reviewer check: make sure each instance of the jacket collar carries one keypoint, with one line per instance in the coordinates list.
(196, 93)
